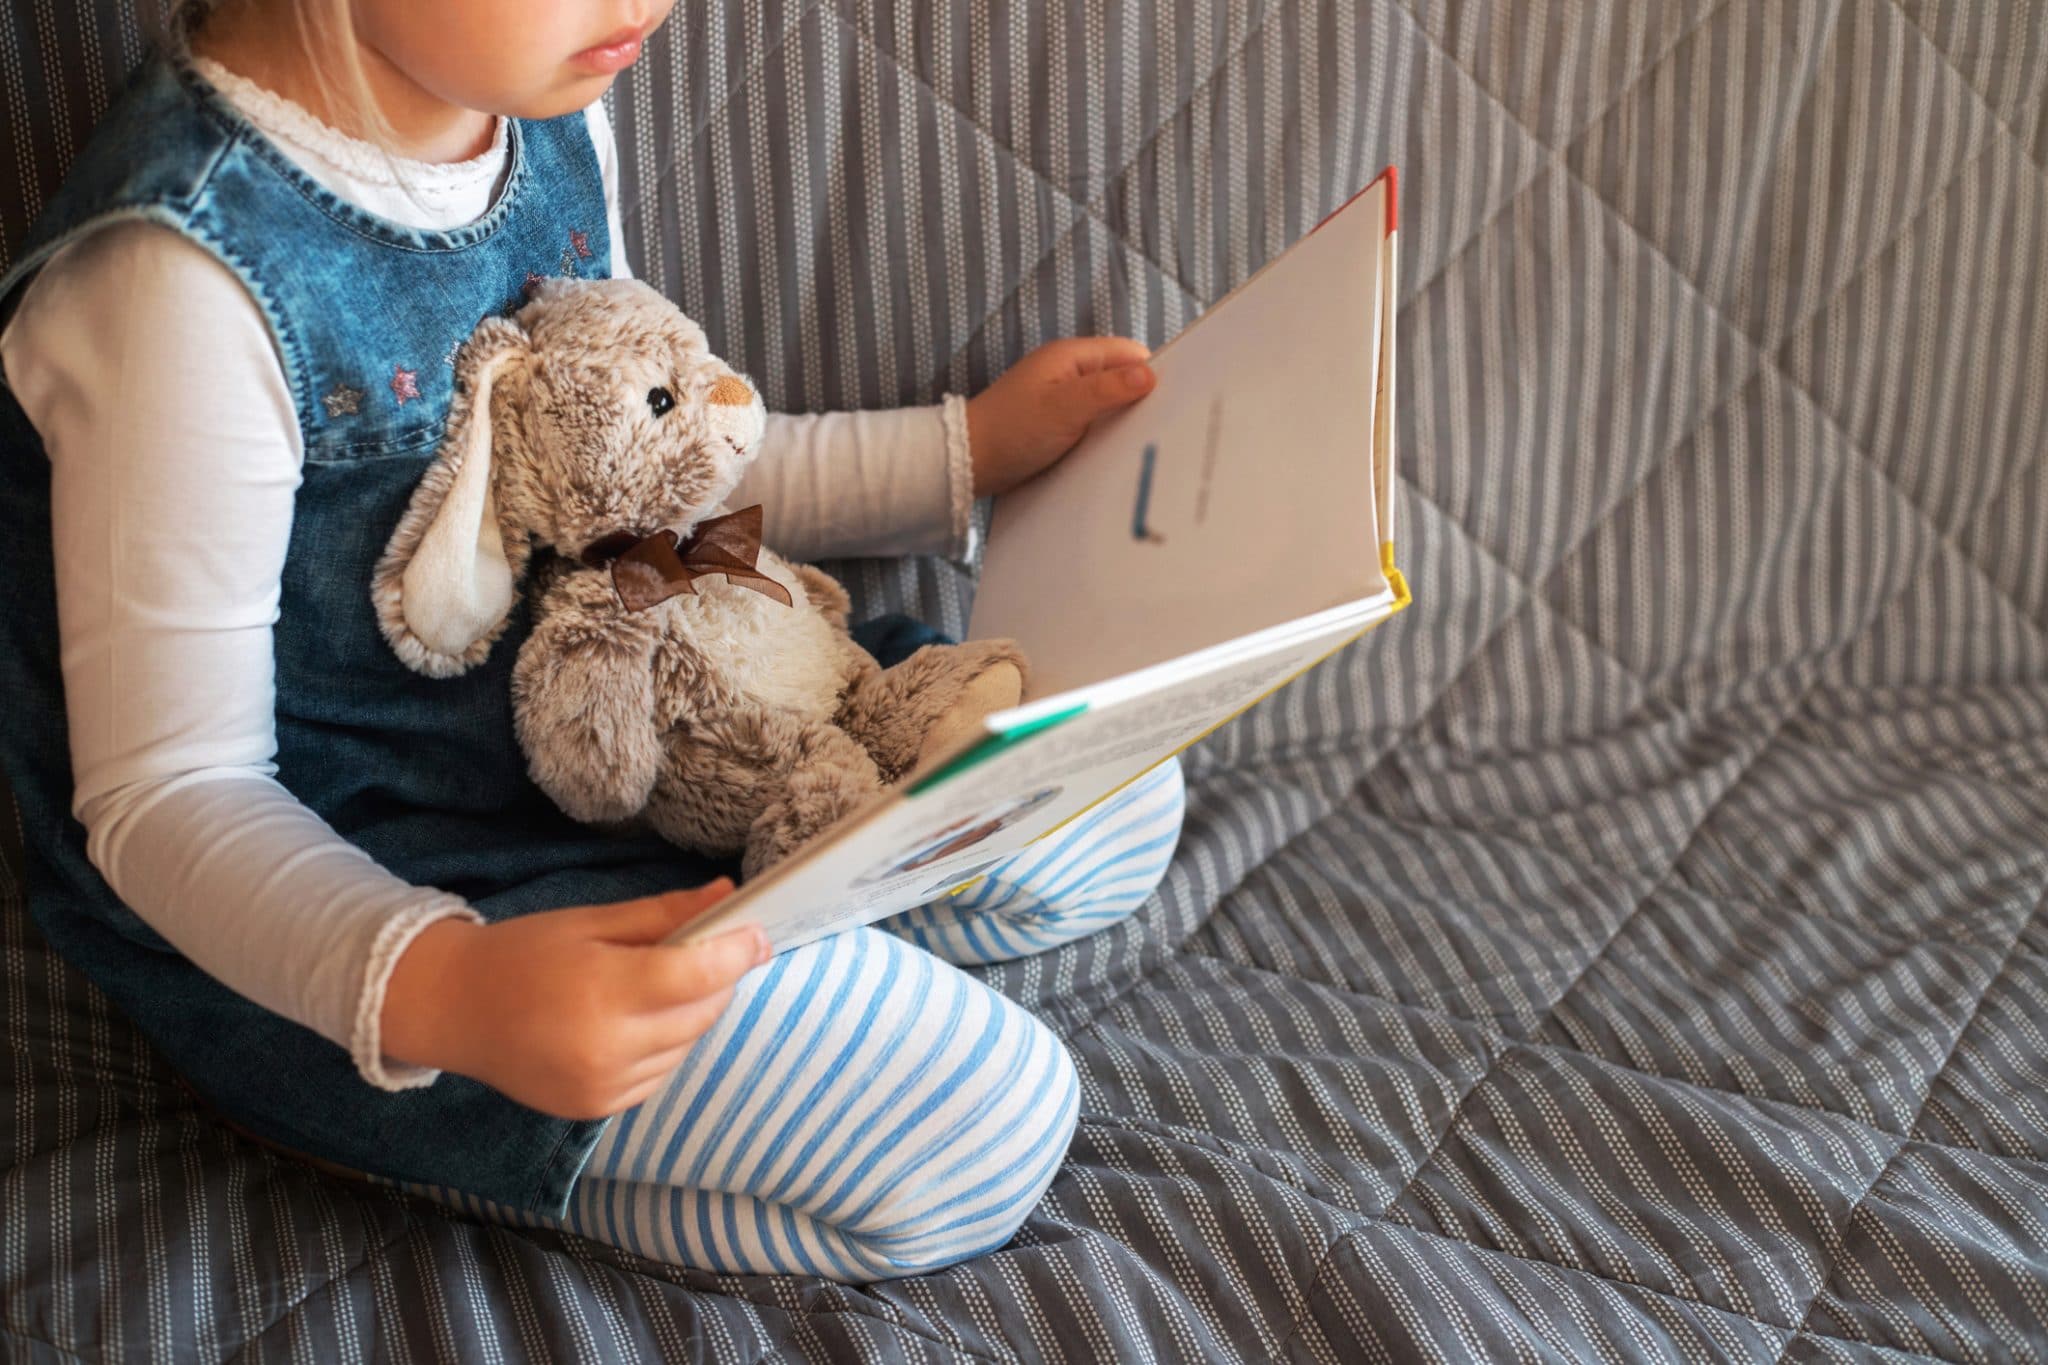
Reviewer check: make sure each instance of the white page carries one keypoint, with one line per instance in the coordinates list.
(910, 849)
(1259, 505)
(1176, 672)
(945, 826)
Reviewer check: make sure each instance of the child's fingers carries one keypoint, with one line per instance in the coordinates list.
(652, 918)
(646, 1083)
(655, 1065)
(1105, 389)
(688, 972)
(637, 1094)
(1089, 354)
(662, 1040)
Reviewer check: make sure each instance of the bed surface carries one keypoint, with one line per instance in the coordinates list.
(1633, 951)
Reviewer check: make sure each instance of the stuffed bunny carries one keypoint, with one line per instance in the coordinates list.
(676, 673)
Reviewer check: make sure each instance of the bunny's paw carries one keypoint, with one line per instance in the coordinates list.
(814, 799)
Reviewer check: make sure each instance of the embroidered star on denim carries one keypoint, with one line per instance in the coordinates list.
(581, 241)
(404, 384)
(342, 401)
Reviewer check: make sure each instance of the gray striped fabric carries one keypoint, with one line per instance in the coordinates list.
(1633, 952)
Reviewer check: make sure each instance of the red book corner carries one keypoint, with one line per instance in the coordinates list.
(1392, 176)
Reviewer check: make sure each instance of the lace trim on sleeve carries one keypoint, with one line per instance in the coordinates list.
(960, 476)
(366, 1044)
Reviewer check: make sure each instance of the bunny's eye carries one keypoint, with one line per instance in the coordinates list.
(660, 401)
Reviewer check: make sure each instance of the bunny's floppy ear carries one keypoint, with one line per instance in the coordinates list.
(449, 576)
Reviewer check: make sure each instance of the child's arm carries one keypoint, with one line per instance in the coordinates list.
(895, 481)
(174, 459)
(900, 481)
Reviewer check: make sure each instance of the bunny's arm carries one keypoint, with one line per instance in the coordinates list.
(583, 701)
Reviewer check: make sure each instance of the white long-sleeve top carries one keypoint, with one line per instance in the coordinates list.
(175, 455)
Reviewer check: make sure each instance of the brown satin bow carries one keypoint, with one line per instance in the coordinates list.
(650, 569)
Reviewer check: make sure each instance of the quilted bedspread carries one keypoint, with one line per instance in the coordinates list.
(1633, 951)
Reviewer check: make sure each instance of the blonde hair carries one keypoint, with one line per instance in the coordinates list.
(326, 33)
(328, 27)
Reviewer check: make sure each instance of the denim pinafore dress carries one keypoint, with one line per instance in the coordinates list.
(424, 774)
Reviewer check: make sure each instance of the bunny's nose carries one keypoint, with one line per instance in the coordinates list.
(731, 391)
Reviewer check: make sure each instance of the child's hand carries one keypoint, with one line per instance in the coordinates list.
(578, 1012)
(1038, 409)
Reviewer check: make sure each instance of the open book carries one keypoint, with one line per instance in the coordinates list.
(1197, 550)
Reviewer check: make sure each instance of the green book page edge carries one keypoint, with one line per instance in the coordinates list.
(991, 745)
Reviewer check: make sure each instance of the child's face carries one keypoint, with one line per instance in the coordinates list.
(519, 58)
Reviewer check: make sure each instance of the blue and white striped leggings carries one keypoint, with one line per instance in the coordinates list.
(864, 1109)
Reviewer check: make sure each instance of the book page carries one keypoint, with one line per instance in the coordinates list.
(1238, 495)
(920, 843)
(1237, 565)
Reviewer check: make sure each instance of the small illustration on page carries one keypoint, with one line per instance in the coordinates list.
(961, 835)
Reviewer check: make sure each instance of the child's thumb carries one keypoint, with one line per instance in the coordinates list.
(653, 918)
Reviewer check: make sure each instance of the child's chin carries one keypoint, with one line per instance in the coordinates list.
(574, 91)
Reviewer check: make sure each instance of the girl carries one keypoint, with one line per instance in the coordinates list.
(324, 885)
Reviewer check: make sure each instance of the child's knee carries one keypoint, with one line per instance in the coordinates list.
(921, 1116)
(1101, 868)
(1133, 835)
(1074, 882)
(970, 1193)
